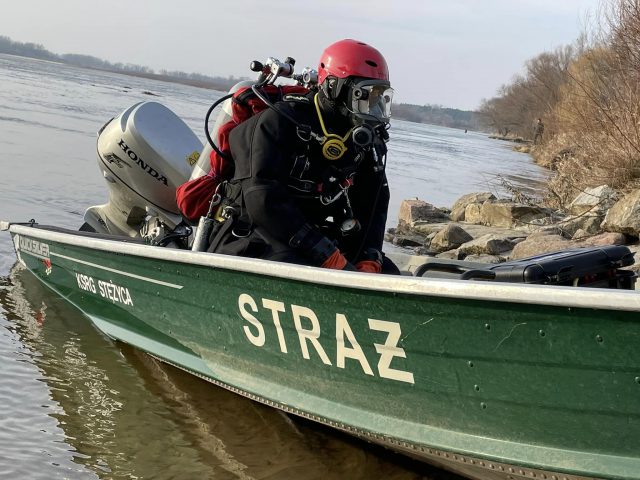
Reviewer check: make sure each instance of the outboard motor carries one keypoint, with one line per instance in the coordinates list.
(145, 153)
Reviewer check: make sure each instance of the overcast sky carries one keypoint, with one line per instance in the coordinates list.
(448, 52)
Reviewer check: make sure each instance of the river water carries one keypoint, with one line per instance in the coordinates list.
(74, 404)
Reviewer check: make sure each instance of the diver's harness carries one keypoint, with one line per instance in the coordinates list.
(333, 147)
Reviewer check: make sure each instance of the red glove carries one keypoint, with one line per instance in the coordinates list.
(337, 261)
(369, 266)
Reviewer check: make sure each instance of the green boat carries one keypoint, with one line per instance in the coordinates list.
(487, 379)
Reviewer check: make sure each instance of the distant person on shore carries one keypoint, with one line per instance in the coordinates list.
(538, 131)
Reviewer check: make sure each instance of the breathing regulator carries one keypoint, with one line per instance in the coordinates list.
(272, 69)
(333, 146)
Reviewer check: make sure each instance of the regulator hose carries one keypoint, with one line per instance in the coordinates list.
(374, 205)
(256, 90)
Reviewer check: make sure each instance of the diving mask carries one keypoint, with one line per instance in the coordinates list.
(371, 98)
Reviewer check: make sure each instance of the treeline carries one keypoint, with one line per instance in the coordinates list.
(25, 49)
(530, 95)
(433, 114)
(33, 50)
(588, 95)
(437, 115)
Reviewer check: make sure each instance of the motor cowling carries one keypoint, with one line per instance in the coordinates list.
(145, 153)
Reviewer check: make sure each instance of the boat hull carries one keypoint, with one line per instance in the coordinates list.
(491, 381)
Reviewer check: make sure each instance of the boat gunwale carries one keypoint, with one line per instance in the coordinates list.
(562, 296)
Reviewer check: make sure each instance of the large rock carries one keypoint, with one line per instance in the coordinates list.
(589, 224)
(427, 228)
(450, 237)
(508, 214)
(624, 215)
(449, 254)
(457, 214)
(593, 200)
(408, 240)
(479, 197)
(548, 220)
(487, 245)
(417, 210)
(580, 234)
(472, 213)
(484, 258)
(475, 230)
(537, 244)
(609, 238)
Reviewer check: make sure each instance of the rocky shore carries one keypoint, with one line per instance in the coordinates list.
(482, 228)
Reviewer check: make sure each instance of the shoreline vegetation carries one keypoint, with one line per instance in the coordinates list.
(430, 114)
(588, 97)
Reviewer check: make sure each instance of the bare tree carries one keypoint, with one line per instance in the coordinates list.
(599, 111)
(531, 95)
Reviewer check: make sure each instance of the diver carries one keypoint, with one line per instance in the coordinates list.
(309, 185)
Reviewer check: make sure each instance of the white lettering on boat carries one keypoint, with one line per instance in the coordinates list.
(115, 293)
(276, 307)
(35, 248)
(259, 338)
(309, 333)
(109, 290)
(39, 249)
(342, 352)
(86, 283)
(389, 350)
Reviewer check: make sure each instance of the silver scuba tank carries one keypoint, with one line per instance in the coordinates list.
(202, 167)
(225, 114)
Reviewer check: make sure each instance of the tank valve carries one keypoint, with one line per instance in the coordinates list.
(205, 226)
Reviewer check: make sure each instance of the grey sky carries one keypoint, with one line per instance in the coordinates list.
(449, 52)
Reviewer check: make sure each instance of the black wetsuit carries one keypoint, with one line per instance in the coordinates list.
(285, 207)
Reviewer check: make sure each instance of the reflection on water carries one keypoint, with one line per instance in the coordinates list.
(33, 442)
(76, 405)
